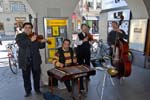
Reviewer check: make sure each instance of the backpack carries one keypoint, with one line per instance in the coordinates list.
(49, 96)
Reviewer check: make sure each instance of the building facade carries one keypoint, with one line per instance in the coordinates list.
(87, 11)
(13, 13)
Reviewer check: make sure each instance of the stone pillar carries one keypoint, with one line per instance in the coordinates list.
(52, 8)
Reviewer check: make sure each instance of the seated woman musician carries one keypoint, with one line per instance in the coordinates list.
(65, 57)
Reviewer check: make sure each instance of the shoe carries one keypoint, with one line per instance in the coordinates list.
(27, 94)
(38, 92)
(71, 96)
(88, 78)
(83, 93)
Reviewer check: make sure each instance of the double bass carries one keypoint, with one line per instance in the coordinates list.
(120, 58)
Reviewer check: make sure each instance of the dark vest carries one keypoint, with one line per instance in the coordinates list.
(62, 57)
(85, 45)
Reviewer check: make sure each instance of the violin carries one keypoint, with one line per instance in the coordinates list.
(39, 37)
(90, 37)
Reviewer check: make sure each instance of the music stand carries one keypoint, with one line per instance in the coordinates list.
(104, 68)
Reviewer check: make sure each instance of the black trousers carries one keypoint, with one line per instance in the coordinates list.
(27, 78)
(83, 57)
(111, 54)
(68, 85)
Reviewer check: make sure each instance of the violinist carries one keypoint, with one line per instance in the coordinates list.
(29, 58)
(83, 46)
(83, 49)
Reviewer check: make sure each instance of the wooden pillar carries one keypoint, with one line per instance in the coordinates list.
(147, 47)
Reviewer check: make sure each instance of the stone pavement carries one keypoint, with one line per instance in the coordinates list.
(135, 87)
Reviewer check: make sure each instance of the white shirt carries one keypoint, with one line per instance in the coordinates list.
(78, 41)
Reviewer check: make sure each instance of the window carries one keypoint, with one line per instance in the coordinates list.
(1, 6)
(17, 6)
(91, 4)
(1, 27)
(98, 4)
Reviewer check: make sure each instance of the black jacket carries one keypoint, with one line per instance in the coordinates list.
(85, 45)
(27, 50)
(113, 36)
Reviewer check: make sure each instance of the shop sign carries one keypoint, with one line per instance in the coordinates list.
(57, 22)
(20, 18)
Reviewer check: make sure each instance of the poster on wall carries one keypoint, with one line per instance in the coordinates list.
(55, 31)
(115, 16)
(51, 54)
(138, 30)
(59, 42)
(62, 30)
(49, 31)
(50, 48)
(110, 4)
(53, 42)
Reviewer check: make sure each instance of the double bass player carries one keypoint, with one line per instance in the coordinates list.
(113, 35)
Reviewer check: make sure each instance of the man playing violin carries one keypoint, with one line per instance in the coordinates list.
(83, 46)
(29, 58)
